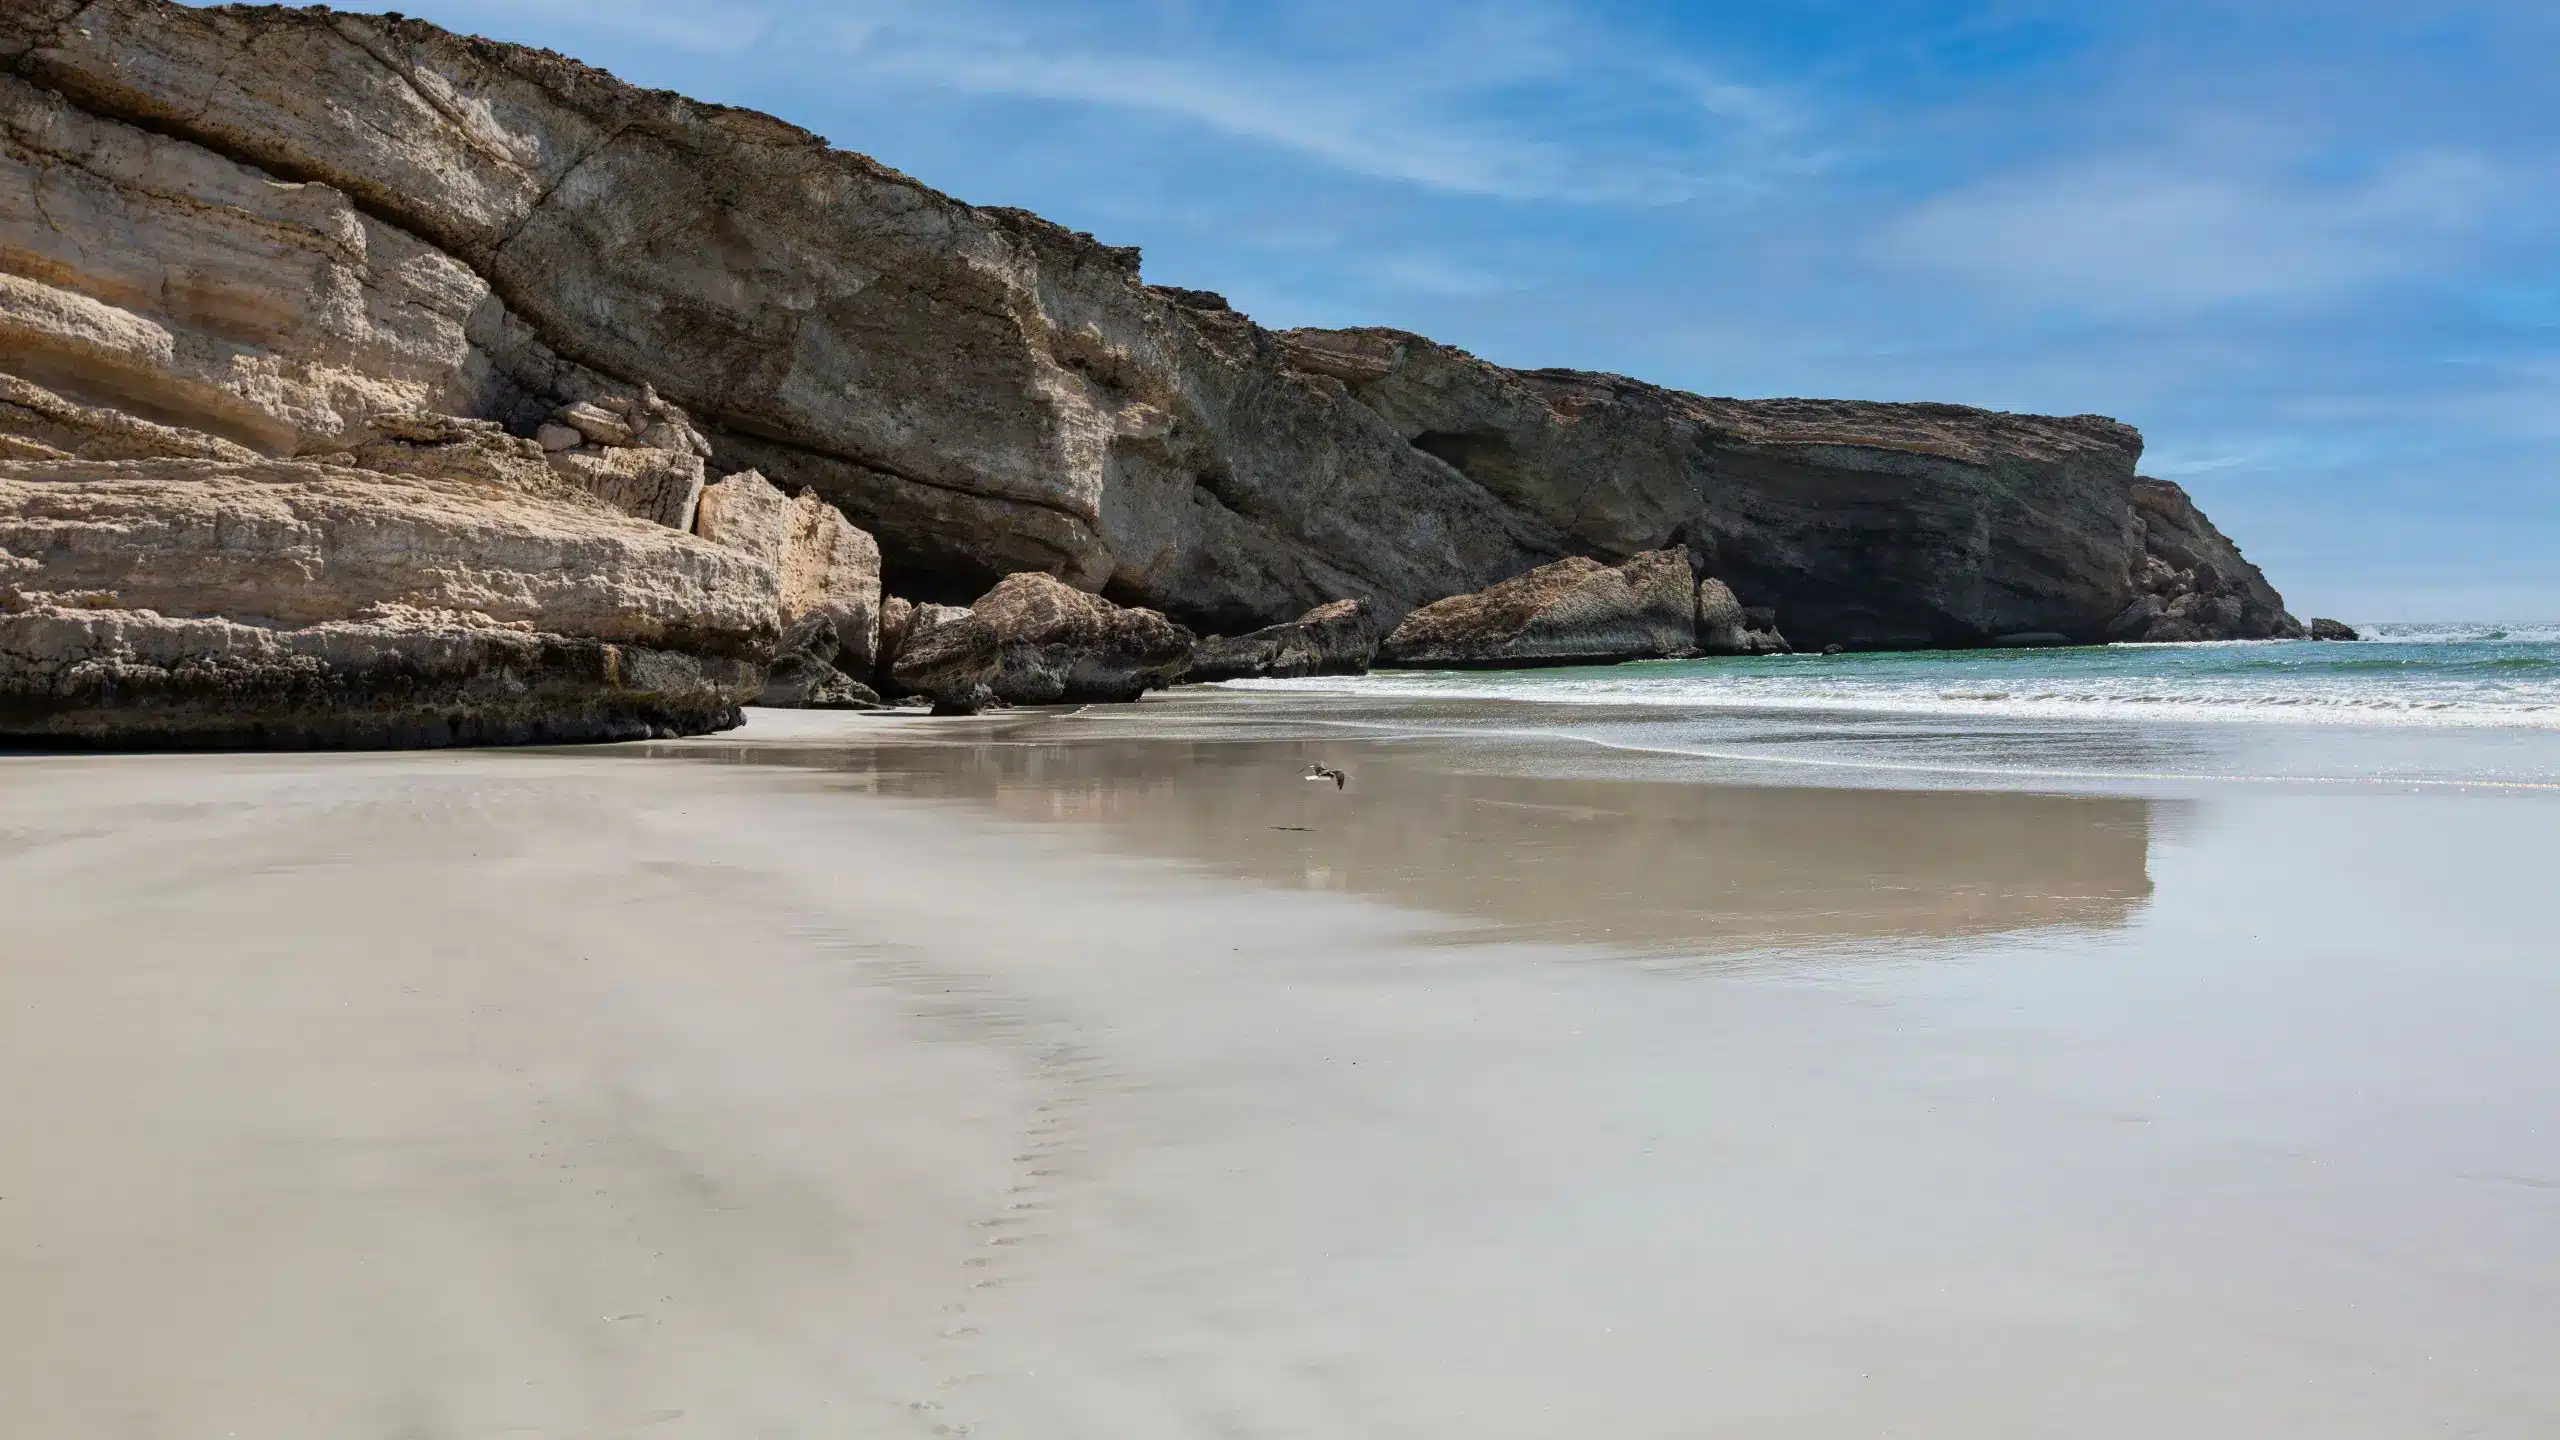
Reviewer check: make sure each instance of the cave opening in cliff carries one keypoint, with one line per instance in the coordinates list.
(933, 580)
(1489, 460)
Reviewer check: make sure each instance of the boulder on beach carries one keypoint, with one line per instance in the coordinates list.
(949, 655)
(1336, 639)
(1063, 646)
(1576, 611)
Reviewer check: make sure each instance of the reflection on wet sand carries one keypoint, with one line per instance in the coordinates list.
(1654, 866)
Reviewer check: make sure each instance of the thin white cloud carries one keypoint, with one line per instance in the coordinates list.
(1519, 101)
(2191, 229)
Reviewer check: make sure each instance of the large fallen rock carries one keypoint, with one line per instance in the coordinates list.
(1340, 638)
(1061, 645)
(949, 655)
(2191, 582)
(446, 591)
(1574, 612)
(829, 575)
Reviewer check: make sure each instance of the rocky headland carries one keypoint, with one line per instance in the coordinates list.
(362, 383)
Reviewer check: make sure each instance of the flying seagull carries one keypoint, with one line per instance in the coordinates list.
(1318, 772)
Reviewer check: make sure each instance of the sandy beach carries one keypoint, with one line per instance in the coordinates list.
(1096, 1076)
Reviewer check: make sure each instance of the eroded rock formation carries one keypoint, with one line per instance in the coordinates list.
(2191, 582)
(278, 245)
(828, 574)
(1575, 611)
(438, 591)
(1860, 524)
(950, 655)
(1061, 645)
(988, 393)
(1725, 626)
(1340, 638)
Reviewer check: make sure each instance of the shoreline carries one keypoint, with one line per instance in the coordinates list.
(1054, 1086)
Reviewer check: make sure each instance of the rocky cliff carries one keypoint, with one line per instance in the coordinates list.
(248, 235)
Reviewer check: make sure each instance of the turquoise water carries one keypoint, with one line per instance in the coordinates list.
(2402, 675)
(2433, 705)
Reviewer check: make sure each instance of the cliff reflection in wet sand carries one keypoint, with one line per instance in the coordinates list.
(1642, 865)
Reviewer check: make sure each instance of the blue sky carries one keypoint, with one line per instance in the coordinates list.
(2311, 249)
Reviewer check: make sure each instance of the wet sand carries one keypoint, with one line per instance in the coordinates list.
(1099, 1077)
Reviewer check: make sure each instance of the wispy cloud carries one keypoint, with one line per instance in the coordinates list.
(1516, 101)
(2197, 226)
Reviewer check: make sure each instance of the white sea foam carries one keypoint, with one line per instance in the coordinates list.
(2469, 676)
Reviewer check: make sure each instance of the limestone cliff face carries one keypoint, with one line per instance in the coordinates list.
(1862, 524)
(266, 232)
(444, 589)
(981, 390)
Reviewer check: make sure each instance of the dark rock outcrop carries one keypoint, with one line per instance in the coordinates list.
(1576, 611)
(983, 391)
(1336, 639)
(2327, 629)
(1726, 627)
(950, 656)
(2191, 582)
(1868, 525)
(1063, 646)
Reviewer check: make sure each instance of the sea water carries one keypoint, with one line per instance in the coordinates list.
(2428, 704)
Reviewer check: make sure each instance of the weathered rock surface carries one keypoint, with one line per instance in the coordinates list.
(1725, 627)
(1867, 525)
(801, 678)
(660, 486)
(2327, 629)
(448, 592)
(2191, 582)
(1336, 639)
(1576, 611)
(948, 654)
(987, 393)
(829, 578)
(1063, 646)
(277, 245)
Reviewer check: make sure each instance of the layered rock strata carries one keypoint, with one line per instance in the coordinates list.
(1576, 611)
(504, 233)
(1867, 525)
(2191, 582)
(253, 261)
(410, 593)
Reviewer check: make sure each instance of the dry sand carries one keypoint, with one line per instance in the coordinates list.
(1135, 1088)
